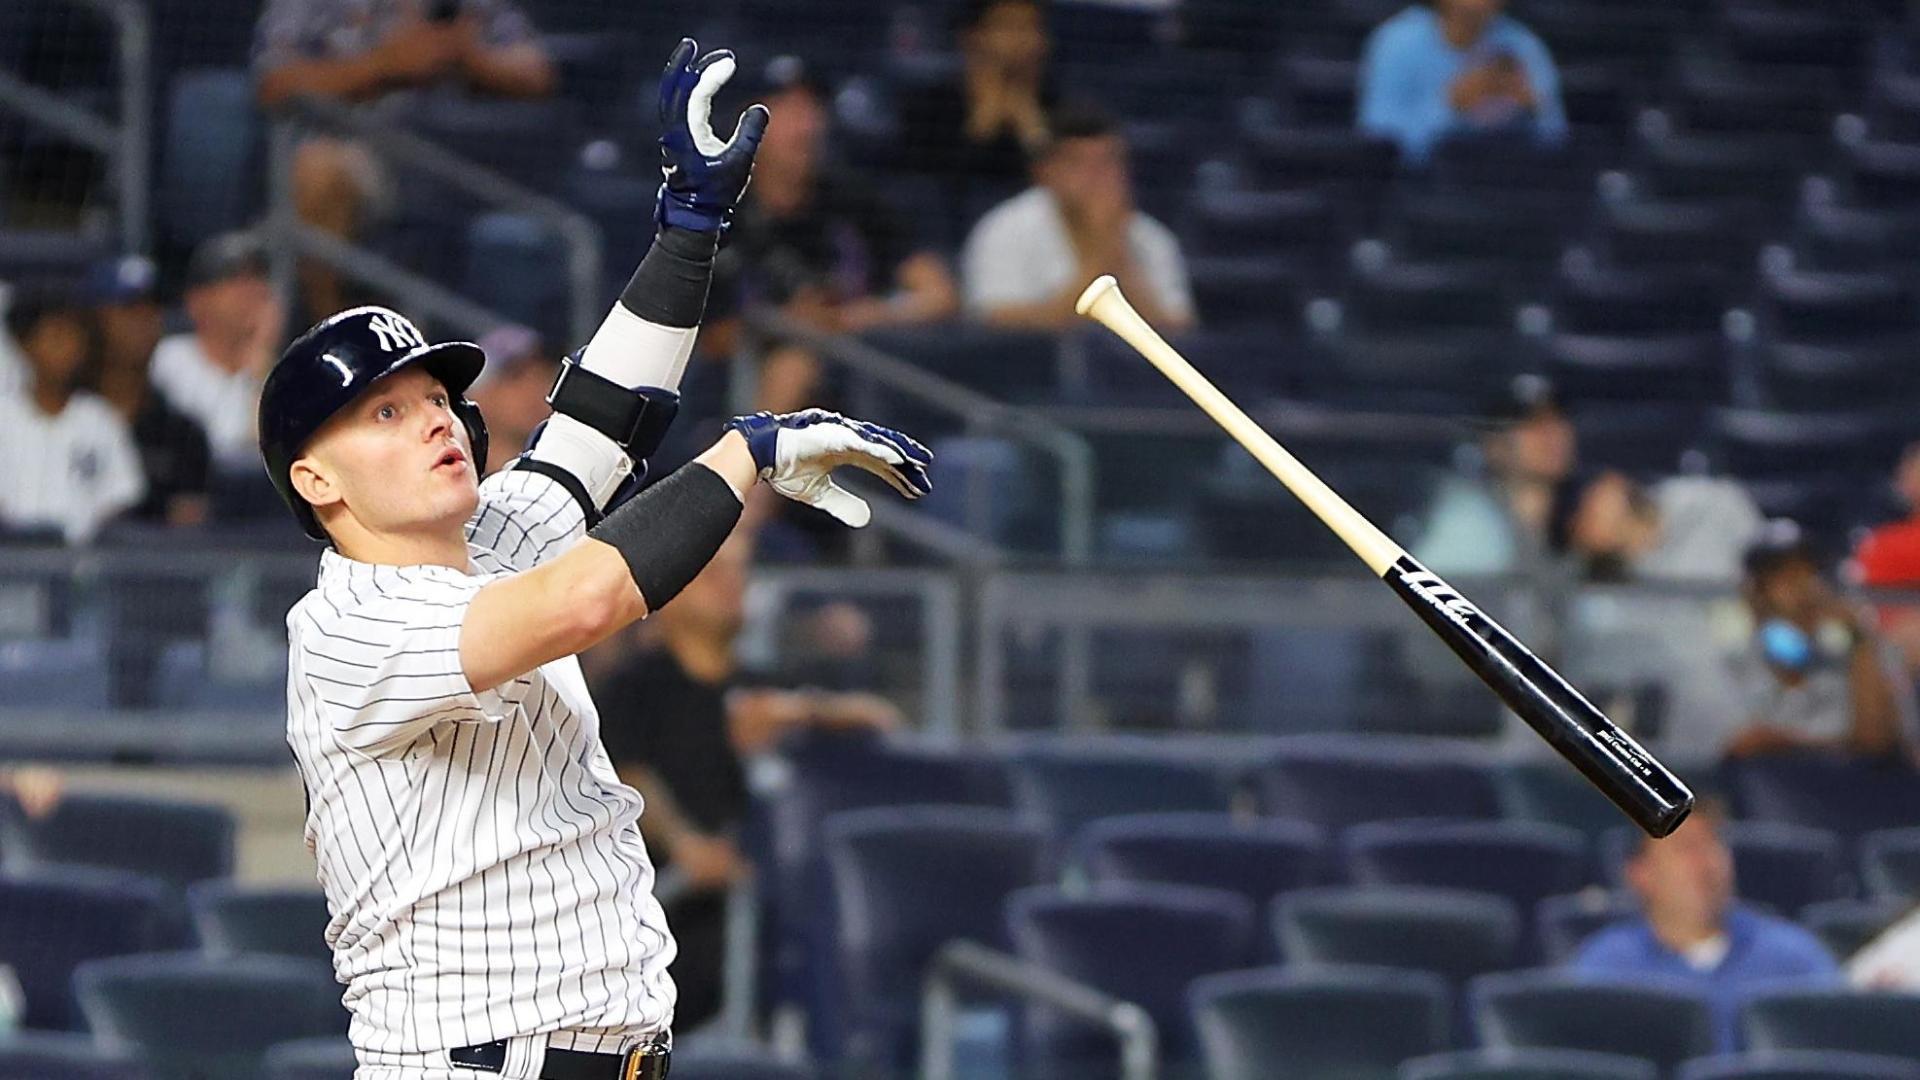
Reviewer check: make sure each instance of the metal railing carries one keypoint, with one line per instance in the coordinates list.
(124, 144)
(979, 414)
(580, 236)
(967, 964)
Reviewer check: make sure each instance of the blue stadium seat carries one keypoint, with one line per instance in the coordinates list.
(1846, 926)
(1553, 1009)
(1717, 98)
(1339, 161)
(1618, 302)
(239, 920)
(1069, 784)
(1834, 307)
(176, 842)
(907, 880)
(1877, 1023)
(329, 1058)
(1301, 230)
(1846, 795)
(54, 674)
(1454, 934)
(1353, 1023)
(1320, 90)
(194, 1017)
(1890, 863)
(1518, 236)
(1768, 37)
(54, 919)
(1686, 166)
(1340, 782)
(1758, 444)
(1831, 235)
(1785, 867)
(1688, 368)
(209, 161)
(1565, 922)
(1139, 943)
(1522, 860)
(43, 1056)
(1248, 292)
(1649, 234)
(1413, 300)
(517, 266)
(1800, 1065)
(1881, 174)
(1257, 859)
(1528, 1065)
(1553, 791)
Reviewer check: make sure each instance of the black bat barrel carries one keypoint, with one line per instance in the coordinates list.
(1646, 790)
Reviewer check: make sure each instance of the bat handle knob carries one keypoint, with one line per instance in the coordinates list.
(1094, 291)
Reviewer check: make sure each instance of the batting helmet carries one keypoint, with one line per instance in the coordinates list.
(333, 363)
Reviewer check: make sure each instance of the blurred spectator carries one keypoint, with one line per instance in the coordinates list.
(1891, 961)
(1684, 528)
(37, 788)
(980, 129)
(1448, 67)
(13, 366)
(1890, 554)
(676, 722)
(1029, 258)
(1504, 520)
(366, 51)
(815, 240)
(70, 461)
(1691, 930)
(1815, 676)
(213, 373)
(512, 390)
(173, 450)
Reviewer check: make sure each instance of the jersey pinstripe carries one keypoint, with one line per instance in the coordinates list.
(482, 862)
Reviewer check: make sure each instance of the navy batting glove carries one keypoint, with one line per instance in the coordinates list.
(796, 453)
(705, 176)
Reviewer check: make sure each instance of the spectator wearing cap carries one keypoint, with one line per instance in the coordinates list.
(213, 371)
(1502, 515)
(1814, 675)
(815, 240)
(1450, 67)
(512, 389)
(1029, 258)
(979, 130)
(173, 450)
(381, 54)
(71, 465)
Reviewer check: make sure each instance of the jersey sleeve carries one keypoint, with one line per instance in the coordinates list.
(525, 518)
(386, 669)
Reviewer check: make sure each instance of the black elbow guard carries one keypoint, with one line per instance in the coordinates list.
(670, 531)
(635, 419)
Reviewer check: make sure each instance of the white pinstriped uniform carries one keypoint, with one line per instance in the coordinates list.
(481, 860)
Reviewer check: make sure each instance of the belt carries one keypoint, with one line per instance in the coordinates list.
(647, 1061)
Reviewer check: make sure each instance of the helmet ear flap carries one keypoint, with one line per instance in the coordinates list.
(469, 414)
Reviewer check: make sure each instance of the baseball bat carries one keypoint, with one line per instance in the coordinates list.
(1647, 791)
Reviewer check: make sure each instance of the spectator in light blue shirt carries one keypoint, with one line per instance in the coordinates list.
(1692, 932)
(1449, 67)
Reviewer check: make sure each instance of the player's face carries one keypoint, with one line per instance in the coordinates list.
(397, 458)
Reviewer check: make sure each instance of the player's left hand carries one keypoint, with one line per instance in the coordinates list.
(705, 175)
(795, 453)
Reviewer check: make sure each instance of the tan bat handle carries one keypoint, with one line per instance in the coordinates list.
(1103, 302)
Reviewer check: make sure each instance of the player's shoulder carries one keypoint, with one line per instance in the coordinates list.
(367, 596)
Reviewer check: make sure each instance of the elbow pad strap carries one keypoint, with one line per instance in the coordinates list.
(635, 419)
(670, 531)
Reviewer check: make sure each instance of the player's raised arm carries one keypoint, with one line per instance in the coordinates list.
(616, 397)
(647, 550)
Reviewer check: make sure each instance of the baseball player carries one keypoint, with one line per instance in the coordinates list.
(490, 895)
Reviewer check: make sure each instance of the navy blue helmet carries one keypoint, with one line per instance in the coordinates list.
(333, 363)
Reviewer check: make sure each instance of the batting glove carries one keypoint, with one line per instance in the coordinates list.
(705, 177)
(796, 452)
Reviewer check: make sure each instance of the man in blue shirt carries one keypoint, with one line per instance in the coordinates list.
(1448, 67)
(1691, 931)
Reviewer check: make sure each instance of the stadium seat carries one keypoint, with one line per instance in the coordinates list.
(1528, 1065)
(1257, 859)
(1069, 784)
(195, 1018)
(330, 1058)
(209, 160)
(1553, 1009)
(1881, 174)
(44, 1056)
(1456, 935)
(1799, 1065)
(1565, 922)
(1248, 292)
(1525, 862)
(1767, 37)
(1751, 443)
(1684, 166)
(1301, 230)
(1845, 795)
(177, 842)
(1877, 1023)
(1139, 943)
(1687, 368)
(1890, 863)
(1553, 791)
(907, 880)
(1353, 1023)
(1320, 91)
(1785, 867)
(1836, 236)
(53, 919)
(1408, 299)
(1650, 234)
(1517, 237)
(1845, 926)
(54, 674)
(238, 920)
(1336, 783)
(1617, 302)
(1830, 307)
(1339, 161)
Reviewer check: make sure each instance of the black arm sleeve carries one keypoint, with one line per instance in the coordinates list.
(670, 531)
(670, 287)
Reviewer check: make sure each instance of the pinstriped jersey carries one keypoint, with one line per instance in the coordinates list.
(482, 862)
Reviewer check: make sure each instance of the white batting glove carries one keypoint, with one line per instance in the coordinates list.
(796, 453)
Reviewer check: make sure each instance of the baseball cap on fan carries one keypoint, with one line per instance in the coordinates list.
(1522, 398)
(229, 255)
(124, 279)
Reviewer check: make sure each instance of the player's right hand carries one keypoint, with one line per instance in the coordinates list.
(705, 176)
(796, 453)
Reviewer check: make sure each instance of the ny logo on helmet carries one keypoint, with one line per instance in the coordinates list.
(396, 334)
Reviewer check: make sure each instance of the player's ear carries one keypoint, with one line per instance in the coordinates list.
(314, 481)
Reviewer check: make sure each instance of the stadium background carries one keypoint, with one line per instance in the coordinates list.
(1106, 610)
